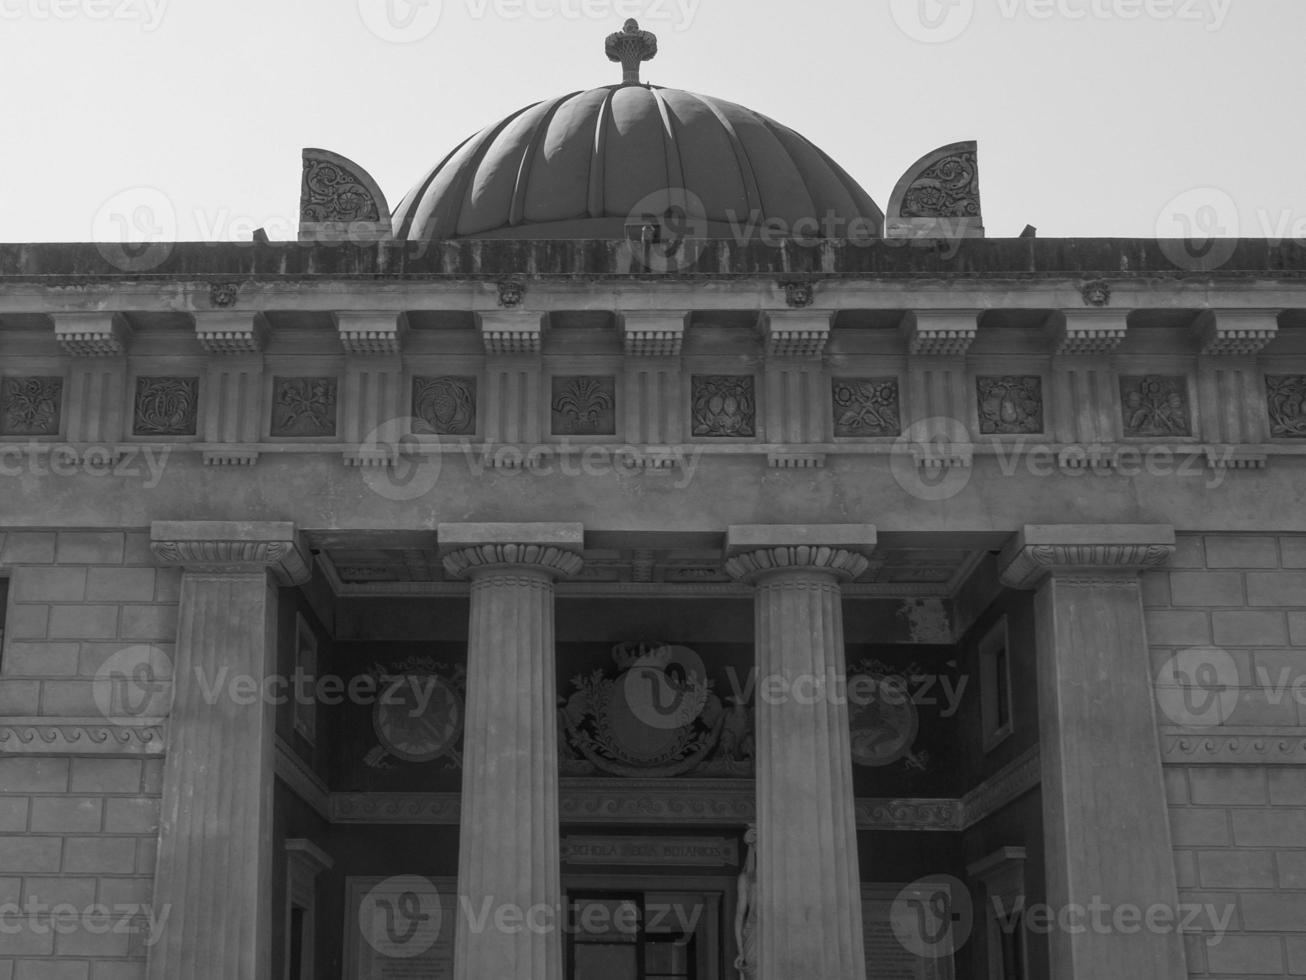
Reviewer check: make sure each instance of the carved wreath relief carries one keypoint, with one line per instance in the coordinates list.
(656, 715)
(723, 405)
(946, 189)
(332, 193)
(1285, 396)
(1155, 405)
(30, 406)
(166, 406)
(1010, 404)
(866, 407)
(418, 712)
(303, 406)
(584, 405)
(445, 405)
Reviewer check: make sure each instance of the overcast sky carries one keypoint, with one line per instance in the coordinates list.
(186, 118)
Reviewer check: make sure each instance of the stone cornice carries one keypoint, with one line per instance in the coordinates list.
(92, 334)
(1225, 745)
(1040, 550)
(1241, 332)
(942, 333)
(232, 547)
(797, 334)
(653, 334)
(1090, 332)
(82, 737)
(511, 332)
(231, 332)
(370, 333)
(1012, 781)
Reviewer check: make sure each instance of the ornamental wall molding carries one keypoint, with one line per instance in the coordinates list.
(231, 333)
(302, 780)
(92, 334)
(749, 566)
(1226, 745)
(371, 333)
(37, 736)
(1041, 550)
(559, 562)
(232, 547)
(1008, 784)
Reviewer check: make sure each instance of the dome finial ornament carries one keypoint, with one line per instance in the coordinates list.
(630, 46)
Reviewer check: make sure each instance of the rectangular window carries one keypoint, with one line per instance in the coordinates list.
(995, 685)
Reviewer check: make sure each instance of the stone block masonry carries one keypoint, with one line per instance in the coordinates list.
(1236, 782)
(79, 797)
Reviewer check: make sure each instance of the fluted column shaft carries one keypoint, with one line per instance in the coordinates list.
(509, 855)
(1106, 823)
(809, 890)
(214, 872)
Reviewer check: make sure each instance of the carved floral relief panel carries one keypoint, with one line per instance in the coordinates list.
(166, 406)
(303, 407)
(1010, 404)
(444, 405)
(30, 406)
(723, 406)
(1285, 398)
(584, 405)
(866, 407)
(1155, 405)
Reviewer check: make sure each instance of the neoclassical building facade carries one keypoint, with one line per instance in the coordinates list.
(639, 555)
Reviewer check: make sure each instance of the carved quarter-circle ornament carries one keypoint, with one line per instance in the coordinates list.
(338, 198)
(942, 184)
(652, 717)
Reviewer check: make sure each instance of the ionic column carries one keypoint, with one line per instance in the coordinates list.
(809, 892)
(214, 872)
(508, 852)
(1106, 827)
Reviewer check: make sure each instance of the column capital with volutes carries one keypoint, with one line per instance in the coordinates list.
(233, 547)
(756, 551)
(1040, 550)
(551, 548)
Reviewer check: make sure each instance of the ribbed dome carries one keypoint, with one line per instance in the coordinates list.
(588, 164)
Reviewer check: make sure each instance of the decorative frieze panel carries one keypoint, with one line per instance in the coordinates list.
(866, 407)
(166, 406)
(1285, 396)
(304, 407)
(30, 406)
(583, 405)
(1155, 406)
(723, 406)
(124, 738)
(444, 405)
(1010, 404)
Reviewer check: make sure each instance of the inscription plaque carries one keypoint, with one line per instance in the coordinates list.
(401, 945)
(703, 852)
(886, 957)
